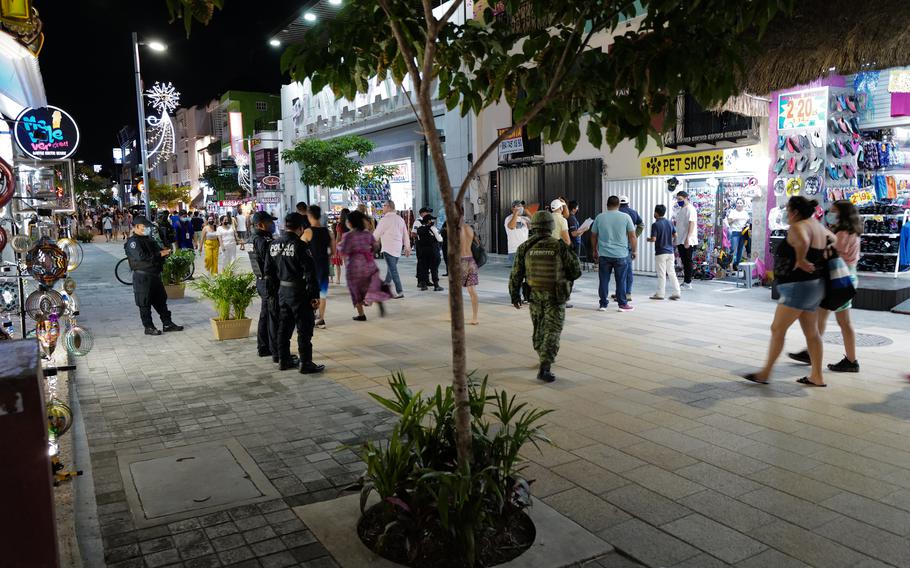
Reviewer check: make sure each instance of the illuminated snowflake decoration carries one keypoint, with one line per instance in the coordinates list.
(161, 136)
(243, 171)
(165, 98)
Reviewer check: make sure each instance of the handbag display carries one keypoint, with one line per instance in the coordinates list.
(839, 287)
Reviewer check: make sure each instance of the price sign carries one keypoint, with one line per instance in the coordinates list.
(802, 109)
(861, 197)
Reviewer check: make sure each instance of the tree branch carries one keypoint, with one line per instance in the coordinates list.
(449, 13)
(408, 55)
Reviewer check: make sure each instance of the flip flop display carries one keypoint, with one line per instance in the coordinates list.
(780, 186)
(813, 185)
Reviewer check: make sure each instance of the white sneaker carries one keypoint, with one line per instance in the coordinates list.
(601, 309)
(686, 286)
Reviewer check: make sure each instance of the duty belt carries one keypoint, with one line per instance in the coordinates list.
(292, 284)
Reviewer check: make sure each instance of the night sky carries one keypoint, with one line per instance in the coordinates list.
(87, 60)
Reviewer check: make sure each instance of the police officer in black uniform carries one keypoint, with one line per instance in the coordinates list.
(266, 285)
(146, 259)
(298, 294)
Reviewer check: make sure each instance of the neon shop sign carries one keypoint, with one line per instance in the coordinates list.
(47, 133)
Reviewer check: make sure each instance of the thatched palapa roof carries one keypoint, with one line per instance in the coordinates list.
(829, 36)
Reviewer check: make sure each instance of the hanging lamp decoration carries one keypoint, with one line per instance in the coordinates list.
(164, 99)
(7, 183)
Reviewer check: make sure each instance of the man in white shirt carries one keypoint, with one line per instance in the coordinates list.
(241, 225)
(392, 234)
(686, 221)
(560, 221)
(517, 228)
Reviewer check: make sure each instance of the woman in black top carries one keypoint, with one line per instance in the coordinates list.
(799, 270)
(322, 247)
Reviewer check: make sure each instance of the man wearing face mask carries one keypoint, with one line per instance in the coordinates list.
(298, 294)
(146, 259)
(686, 219)
(266, 285)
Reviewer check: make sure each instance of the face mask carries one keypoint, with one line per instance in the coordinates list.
(146, 231)
(831, 218)
(681, 203)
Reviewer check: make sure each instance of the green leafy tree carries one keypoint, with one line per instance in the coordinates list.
(220, 181)
(164, 194)
(90, 188)
(537, 56)
(193, 10)
(337, 162)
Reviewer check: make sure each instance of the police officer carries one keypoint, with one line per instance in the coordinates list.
(298, 294)
(266, 285)
(548, 267)
(146, 259)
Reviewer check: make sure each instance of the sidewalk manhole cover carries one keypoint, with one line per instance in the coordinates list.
(862, 339)
(186, 482)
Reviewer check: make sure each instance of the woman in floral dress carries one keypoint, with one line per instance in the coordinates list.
(361, 271)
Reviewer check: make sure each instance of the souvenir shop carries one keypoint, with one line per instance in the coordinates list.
(849, 140)
(400, 188)
(724, 186)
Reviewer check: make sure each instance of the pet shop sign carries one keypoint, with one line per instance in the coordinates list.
(672, 164)
(47, 133)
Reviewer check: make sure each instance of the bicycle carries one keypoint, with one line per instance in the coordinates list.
(124, 273)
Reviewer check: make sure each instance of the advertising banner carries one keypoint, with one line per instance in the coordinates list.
(46, 133)
(690, 163)
(802, 109)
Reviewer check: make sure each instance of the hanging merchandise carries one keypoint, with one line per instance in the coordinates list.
(9, 296)
(78, 341)
(21, 244)
(73, 251)
(69, 285)
(7, 183)
(59, 417)
(48, 331)
(794, 185)
(40, 304)
(46, 262)
(813, 185)
(2, 239)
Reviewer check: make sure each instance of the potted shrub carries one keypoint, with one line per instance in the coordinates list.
(231, 294)
(437, 512)
(174, 272)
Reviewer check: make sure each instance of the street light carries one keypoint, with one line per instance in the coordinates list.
(275, 42)
(154, 46)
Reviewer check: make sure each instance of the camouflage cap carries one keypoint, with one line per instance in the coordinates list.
(542, 220)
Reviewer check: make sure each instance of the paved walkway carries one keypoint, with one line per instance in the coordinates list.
(660, 449)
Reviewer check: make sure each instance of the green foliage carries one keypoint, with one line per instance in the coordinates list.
(177, 266)
(549, 74)
(417, 472)
(85, 236)
(228, 290)
(164, 194)
(90, 187)
(219, 180)
(337, 162)
(190, 10)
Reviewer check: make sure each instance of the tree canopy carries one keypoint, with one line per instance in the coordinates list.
(220, 181)
(163, 194)
(337, 162)
(91, 187)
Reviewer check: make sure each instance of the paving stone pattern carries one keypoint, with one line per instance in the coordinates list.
(659, 448)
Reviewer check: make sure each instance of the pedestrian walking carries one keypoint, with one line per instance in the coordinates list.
(298, 295)
(518, 226)
(339, 231)
(361, 272)
(146, 259)
(686, 221)
(392, 233)
(662, 233)
(267, 287)
(107, 224)
(368, 220)
(303, 208)
(799, 270)
(210, 244)
(626, 207)
(612, 235)
(184, 232)
(241, 222)
(322, 247)
(197, 222)
(228, 237)
(166, 233)
(470, 277)
(548, 267)
(427, 244)
(846, 225)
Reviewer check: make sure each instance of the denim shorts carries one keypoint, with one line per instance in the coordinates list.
(805, 295)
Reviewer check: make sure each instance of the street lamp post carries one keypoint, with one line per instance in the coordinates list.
(141, 108)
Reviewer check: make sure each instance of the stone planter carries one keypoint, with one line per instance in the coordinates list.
(231, 329)
(175, 291)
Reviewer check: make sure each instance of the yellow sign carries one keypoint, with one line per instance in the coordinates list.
(861, 197)
(671, 164)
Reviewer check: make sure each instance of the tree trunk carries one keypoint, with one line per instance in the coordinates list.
(454, 218)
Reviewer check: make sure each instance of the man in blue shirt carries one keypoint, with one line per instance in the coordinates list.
(662, 232)
(639, 229)
(613, 243)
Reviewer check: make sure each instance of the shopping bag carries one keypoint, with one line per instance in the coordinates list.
(839, 287)
(479, 254)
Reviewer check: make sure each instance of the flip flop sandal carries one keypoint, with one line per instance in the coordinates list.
(779, 166)
(832, 172)
(791, 165)
(781, 141)
(842, 124)
(794, 185)
(807, 382)
(851, 103)
(848, 172)
(803, 142)
(816, 165)
(780, 186)
(817, 140)
(754, 378)
(801, 165)
(854, 123)
(793, 144)
(813, 185)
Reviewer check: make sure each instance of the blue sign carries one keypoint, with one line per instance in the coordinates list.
(47, 133)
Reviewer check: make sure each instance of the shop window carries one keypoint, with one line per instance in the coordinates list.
(695, 125)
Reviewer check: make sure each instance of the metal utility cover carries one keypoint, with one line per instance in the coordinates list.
(176, 484)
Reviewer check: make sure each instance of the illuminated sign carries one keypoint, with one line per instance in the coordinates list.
(47, 133)
(235, 121)
(695, 162)
(118, 155)
(271, 181)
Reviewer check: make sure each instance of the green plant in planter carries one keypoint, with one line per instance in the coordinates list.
(420, 482)
(228, 289)
(177, 266)
(85, 237)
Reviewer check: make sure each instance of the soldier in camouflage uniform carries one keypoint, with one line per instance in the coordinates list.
(547, 267)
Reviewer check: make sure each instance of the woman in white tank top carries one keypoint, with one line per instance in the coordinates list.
(228, 241)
